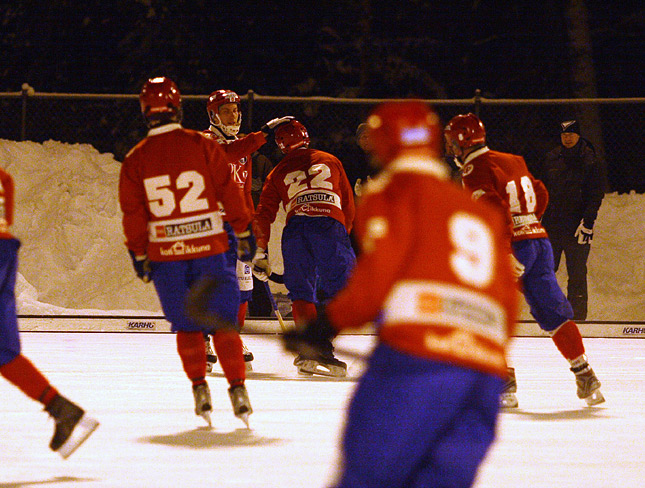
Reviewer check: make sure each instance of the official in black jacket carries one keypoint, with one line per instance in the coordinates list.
(576, 183)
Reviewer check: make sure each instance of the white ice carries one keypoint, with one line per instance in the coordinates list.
(150, 437)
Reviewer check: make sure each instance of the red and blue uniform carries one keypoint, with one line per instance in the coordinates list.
(241, 169)
(319, 203)
(170, 190)
(9, 245)
(504, 180)
(434, 274)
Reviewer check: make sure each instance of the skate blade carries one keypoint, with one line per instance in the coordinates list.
(83, 429)
(508, 400)
(207, 417)
(311, 367)
(244, 417)
(595, 398)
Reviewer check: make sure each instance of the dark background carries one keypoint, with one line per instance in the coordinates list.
(344, 48)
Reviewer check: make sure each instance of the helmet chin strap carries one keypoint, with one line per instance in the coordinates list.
(227, 130)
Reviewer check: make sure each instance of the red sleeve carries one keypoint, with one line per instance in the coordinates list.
(248, 184)
(383, 256)
(243, 147)
(542, 196)
(6, 197)
(134, 207)
(267, 210)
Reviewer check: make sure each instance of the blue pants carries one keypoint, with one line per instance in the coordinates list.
(318, 258)
(173, 279)
(9, 335)
(543, 294)
(416, 423)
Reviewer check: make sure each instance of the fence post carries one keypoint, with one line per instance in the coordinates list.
(26, 92)
(478, 101)
(250, 94)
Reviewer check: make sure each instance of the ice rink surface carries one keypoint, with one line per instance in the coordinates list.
(150, 437)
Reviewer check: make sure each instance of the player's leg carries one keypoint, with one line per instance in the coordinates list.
(171, 281)
(228, 343)
(577, 256)
(554, 314)
(72, 425)
(404, 424)
(245, 283)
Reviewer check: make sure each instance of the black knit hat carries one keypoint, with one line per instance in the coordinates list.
(570, 126)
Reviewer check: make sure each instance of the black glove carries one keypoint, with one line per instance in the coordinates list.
(314, 340)
(246, 245)
(141, 266)
(272, 124)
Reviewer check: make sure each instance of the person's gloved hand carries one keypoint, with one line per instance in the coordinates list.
(516, 267)
(246, 245)
(260, 265)
(584, 234)
(313, 339)
(141, 266)
(272, 124)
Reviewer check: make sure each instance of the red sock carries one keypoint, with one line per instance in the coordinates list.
(241, 314)
(22, 373)
(303, 311)
(192, 351)
(568, 340)
(228, 346)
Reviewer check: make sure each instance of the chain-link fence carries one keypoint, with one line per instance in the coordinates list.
(113, 123)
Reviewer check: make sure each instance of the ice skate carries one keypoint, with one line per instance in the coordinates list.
(211, 358)
(241, 403)
(203, 404)
(72, 427)
(508, 399)
(248, 358)
(321, 365)
(588, 387)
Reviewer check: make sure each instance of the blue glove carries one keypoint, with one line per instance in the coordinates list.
(313, 340)
(584, 234)
(246, 245)
(272, 124)
(141, 266)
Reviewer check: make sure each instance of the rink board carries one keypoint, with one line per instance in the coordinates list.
(157, 324)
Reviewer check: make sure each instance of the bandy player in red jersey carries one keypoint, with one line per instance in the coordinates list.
(170, 190)
(225, 117)
(316, 249)
(504, 180)
(434, 276)
(72, 425)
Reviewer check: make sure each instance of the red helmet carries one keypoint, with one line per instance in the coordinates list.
(466, 131)
(291, 135)
(215, 101)
(159, 96)
(399, 126)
